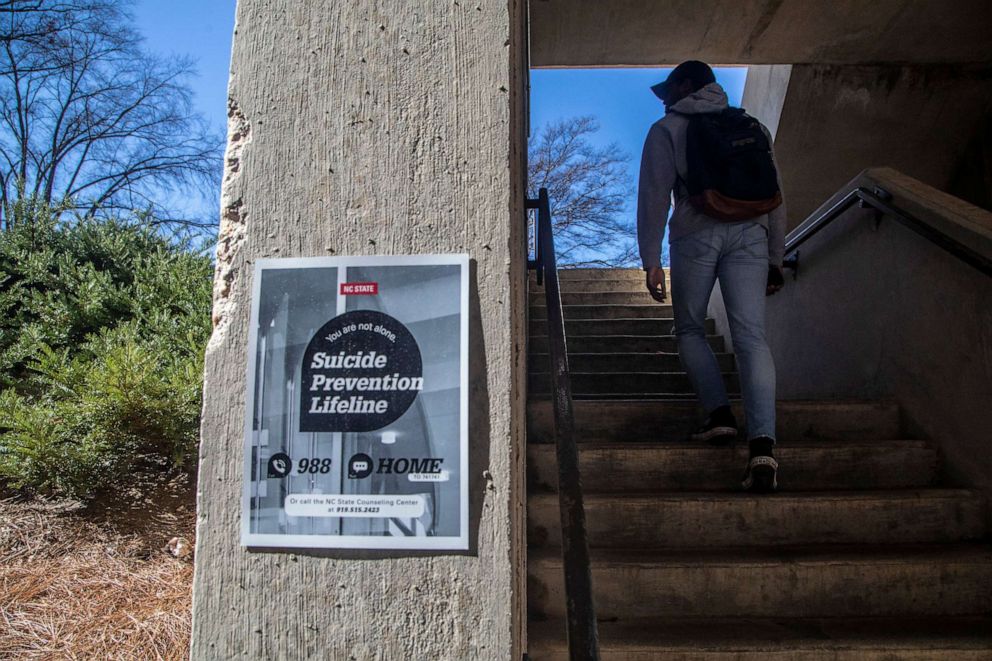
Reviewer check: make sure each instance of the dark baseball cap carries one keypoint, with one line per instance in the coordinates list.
(694, 70)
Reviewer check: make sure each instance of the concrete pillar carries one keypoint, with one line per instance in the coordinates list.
(361, 128)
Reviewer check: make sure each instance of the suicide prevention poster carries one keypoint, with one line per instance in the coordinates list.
(356, 431)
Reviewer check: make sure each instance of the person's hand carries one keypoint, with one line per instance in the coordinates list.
(656, 283)
(776, 280)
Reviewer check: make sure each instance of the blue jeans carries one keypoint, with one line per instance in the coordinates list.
(737, 255)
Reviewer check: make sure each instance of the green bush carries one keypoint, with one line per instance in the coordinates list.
(102, 330)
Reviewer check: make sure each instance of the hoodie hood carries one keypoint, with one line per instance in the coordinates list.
(709, 98)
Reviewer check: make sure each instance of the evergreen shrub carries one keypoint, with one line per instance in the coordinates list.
(103, 325)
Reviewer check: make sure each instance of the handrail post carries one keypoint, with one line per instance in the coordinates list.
(583, 635)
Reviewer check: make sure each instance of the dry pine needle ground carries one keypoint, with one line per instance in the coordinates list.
(72, 587)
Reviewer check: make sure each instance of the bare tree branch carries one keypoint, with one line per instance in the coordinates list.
(588, 187)
(91, 122)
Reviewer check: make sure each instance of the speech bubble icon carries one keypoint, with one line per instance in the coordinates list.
(359, 466)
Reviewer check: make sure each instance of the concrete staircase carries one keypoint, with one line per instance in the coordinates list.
(862, 555)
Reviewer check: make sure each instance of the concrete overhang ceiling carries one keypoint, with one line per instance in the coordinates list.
(582, 33)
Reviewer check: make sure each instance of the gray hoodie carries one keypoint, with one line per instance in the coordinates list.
(663, 157)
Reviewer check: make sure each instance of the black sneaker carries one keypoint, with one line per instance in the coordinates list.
(761, 472)
(720, 427)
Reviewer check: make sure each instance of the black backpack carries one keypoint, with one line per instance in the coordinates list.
(731, 173)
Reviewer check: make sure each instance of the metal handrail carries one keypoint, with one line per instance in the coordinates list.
(881, 201)
(583, 635)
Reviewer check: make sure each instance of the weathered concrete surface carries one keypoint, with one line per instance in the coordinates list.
(709, 520)
(606, 344)
(644, 467)
(371, 128)
(779, 639)
(929, 122)
(764, 93)
(647, 420)
(940, 581)
(572, 33)
(610, 310)
(882, 312)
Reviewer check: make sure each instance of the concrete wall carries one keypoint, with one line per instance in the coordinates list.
(355, 129)
(921, 120)
(880, 312)
(764, 93)
(972, 178)
(570, 33)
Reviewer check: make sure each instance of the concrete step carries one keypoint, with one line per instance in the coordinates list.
(622, 362)
(538, 343)
(684, 520)
(607, 311)
(925, 580)
(635, 286)
(577, 327)
(597, 274)
(762, 639)
(598, 298)
(654, 421)
(681, 466)
(617, 383)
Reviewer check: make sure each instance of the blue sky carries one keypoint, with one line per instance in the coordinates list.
(620, 99)
(201, 29)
